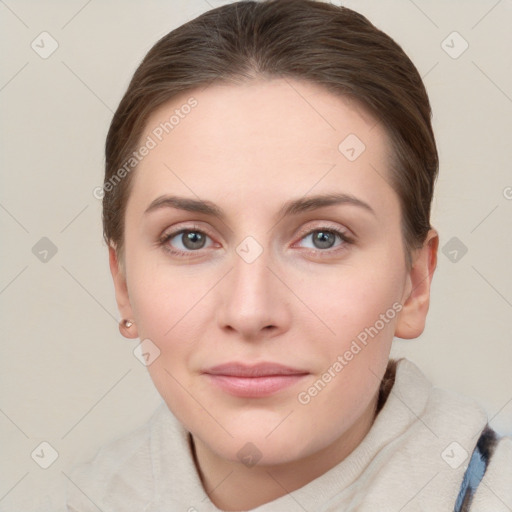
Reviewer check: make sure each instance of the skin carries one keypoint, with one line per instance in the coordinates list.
(249, 149)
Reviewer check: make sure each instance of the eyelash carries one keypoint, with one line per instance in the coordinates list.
(163, 241)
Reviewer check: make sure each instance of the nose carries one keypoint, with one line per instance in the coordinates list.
(253, 301)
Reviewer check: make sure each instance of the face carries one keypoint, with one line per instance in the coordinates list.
(281, 244)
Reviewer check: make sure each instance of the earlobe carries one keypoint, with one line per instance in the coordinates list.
(416, 300)
(122, 296)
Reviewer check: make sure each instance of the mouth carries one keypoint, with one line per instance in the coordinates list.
(253, 381)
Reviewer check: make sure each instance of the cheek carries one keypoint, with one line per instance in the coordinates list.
(163, 297)
(361, 305)
(171, 308)
(352, 298)
(168, 312)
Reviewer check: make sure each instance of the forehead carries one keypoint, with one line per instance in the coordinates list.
(274, 137)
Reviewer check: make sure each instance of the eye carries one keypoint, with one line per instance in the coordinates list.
(325, 238)
(184, 241)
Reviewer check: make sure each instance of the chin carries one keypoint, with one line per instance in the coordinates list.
(253, 442)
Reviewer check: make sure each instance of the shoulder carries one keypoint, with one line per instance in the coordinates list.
(495, 489)
(430, 433)
(119, 477)
(455, 422)
(441, 409)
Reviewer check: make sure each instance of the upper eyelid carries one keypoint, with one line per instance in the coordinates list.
(172, 232)
(325, 225)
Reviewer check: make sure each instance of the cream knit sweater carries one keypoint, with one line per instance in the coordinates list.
(412, 459)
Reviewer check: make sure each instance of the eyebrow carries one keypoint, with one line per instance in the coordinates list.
(292, 207)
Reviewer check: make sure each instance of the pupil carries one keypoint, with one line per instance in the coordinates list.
(193, 240)
(324, 239)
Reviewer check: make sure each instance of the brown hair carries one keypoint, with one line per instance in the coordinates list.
(327, 45)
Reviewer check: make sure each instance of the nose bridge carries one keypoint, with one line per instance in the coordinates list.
(251, 281)
(251, 294)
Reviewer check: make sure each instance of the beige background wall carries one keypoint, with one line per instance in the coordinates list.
(67, 376)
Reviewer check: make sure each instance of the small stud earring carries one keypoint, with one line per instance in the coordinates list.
(127, 323)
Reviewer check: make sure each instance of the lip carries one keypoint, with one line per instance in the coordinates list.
(253, 381)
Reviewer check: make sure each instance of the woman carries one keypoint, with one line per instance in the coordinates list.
(269, 176)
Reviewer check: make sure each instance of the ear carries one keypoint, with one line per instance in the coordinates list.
(416, 299)
(122, 297)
